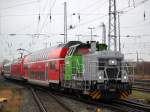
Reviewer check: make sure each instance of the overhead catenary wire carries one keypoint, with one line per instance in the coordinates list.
(81, 17)
(82, 21)
(91, 20)
(40, 15)
(140, 24)
(51, 8)
(44, 24)
(47, 13)
(98, 6)
(127, 9)
(89, 6)
(45, 5)
(136, 26)
(88, 14)
(27, 27)
(44, 14)
(19, 5)
(50, 16)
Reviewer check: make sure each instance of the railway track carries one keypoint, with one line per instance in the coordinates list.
(60, 102)
(133, 105)
(39, 93)
(115, 105)
(56, 95)
(140, 88)
(123, 106)
(38, 101)
(141, 85)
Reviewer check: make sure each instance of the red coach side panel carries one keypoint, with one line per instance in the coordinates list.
(56, 58)
(45, 66)
(17, 71)
(25, 67)
(37, 71)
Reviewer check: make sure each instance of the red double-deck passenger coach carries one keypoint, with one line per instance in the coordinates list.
(44, 67)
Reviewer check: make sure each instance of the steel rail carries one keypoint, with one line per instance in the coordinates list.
(143, 89)
(60, 102)
(134, 105)
(94, 103)
(54, 96)
(38, 101)
(117, 105)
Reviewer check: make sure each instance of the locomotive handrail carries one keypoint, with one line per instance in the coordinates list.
(120, 69)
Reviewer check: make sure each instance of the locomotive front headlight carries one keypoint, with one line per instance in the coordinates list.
(125, 77)
(112, 62)
(100, 77)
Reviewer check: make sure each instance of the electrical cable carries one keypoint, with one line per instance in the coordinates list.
(136, 5)
(87, 7)
(90, 21)
(95, 9)
(100, 6)
(44, 22)
(18, 5)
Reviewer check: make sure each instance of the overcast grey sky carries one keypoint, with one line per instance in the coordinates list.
(20, 17)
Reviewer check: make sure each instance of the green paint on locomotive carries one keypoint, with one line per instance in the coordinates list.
(73, 65)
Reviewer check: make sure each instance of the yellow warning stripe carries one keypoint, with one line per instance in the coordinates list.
(126, 93)
(98, 97)
(92, 93)
(122, 95)
(94, 96)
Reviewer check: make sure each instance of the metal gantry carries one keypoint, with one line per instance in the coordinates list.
(91, 29)
(65, 22)
(104, 33)
(112, 33)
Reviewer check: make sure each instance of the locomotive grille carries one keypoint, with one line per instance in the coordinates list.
(112, 73)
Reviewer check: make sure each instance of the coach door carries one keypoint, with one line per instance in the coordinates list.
(46, 71)
(53, 72)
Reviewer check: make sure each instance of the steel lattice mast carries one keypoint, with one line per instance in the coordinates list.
(112, 33)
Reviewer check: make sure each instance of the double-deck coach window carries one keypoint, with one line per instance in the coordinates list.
(52, 65)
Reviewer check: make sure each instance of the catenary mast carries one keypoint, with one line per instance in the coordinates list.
(112, 33)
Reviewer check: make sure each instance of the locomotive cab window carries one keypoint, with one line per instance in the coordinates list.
(81, 51)
(101, 65)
